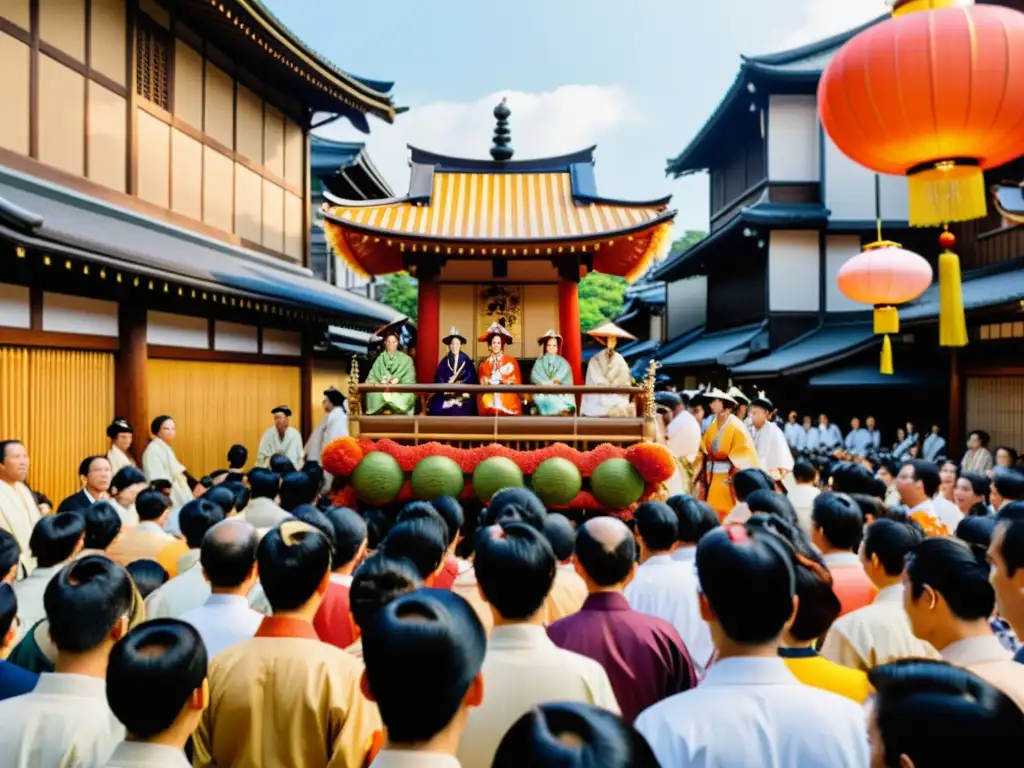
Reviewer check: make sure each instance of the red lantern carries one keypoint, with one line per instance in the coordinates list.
(885, 275)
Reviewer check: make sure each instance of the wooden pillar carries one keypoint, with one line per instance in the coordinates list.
(428, 329)
(306, 386)
(955, 435)
(569, 325)
(131, 389)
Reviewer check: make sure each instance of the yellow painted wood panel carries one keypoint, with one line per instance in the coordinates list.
(188, 84)
(250, 125)
(218, 189)
(219, 116)
(59, 403)
(187, 179)
(273, 142)
(326, 373)
(294, 153)
(293, 229)
(154, 160)
(14, 90)
(273, 216)
(108, 32)
(996, 405)
(458, 308)
(540, 314)
(61, 116)
(248, 204)
(16, 11)
(108, 137)
(62, 24)
(216, 405)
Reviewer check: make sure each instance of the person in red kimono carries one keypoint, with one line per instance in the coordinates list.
(499, 369)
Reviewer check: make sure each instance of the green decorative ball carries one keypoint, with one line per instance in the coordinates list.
(437, 476)
(556, 481)
(378, 478)
(616, 484)
(493, 474)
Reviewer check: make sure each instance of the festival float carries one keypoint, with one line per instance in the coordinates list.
(498, 248)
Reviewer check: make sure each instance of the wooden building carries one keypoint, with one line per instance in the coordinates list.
(155, 219)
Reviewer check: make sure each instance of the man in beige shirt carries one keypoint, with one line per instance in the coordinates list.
(18, 510)
(523, 668)
(148, 540)
(569, 591)
(880, 632)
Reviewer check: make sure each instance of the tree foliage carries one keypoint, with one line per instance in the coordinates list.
(600, 299)
(684, 241)
(401, 293)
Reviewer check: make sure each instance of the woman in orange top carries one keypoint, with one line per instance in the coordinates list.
(727, 447)
(498, 369)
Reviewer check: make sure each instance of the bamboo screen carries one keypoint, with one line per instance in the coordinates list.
(59, 403)
(215, 405)
(996, 405)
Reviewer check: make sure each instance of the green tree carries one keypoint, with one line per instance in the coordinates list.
(401, 293)
(600, 299)
(684, 241)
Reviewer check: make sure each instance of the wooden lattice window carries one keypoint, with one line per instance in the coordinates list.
(153, 64)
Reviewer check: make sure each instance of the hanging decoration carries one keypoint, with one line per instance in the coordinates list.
(933, 94)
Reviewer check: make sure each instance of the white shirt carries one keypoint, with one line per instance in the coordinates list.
(772, 448)
(683, 435)
(947, 512)
(188, 590)
(802, 496)
(139, 754)
(667, 588)
(65, 721)
(401, 758)
(222, 621)
(975, 650)
(29, 592)
(754, 712)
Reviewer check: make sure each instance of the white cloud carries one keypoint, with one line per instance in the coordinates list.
(568, 118)
(824, 18)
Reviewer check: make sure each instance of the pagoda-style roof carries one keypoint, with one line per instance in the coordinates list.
(472, 208)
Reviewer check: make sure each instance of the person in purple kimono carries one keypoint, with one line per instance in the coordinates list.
(455, 368)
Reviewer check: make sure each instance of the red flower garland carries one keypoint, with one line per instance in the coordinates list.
(342, 456)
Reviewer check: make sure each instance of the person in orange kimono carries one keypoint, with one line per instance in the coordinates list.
(727, 447)
(497, 369)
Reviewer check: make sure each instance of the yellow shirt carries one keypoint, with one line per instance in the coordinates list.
(567, 595)
(285, 699)
(811, 669)
(148, 541)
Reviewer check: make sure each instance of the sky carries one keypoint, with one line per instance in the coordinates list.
(637, 78)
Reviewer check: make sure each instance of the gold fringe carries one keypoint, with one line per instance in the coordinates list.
(886, 365)
(335, 237)
(887, 320)
(952, 323)
(946, 193)
(656, 250)
(913, 6)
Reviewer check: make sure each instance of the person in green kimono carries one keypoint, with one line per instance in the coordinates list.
(392, 366)
(552, 369)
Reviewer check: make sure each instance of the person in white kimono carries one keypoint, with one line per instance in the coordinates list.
(160, 463)
(333, 425)
(18, 511)
(121, 436)
(280, 440)
(608, 369)
(769, 441)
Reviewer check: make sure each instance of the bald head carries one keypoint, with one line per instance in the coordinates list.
(229, 553)
(606, 551)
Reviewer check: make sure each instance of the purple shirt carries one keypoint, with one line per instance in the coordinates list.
(643, 655)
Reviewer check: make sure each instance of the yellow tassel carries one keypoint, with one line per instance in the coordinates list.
(952, 324)
(887, 320)
(886, 366)
(911, 6)
(946, 193)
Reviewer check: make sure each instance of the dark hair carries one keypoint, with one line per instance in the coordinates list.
(1009, 483)
(377, 582)
(950, 700)
(422, 651)
(746, 481)
(892, 541)
(561, 535)
(573, 735)
(241, 492)
(84, 601)
(297, 488)
(520, 504)
(772, 503)
(840, 520)
(957, 572)
(349, 534)
(228, 553)
(1009, 451)
(310, 515)
(657, 525)
(451, 512)
(928, 474)
(696, 518)
(804, 471)
(148, 576)
(8, 609)
(293, 560)
(158, 422)
(281, 465)
(424, 510)
(728, 562)
(605, 567)
(197, 517)
(10, 552)
(852, 477)
(421, 541)
(222, 497)
(152, 672)
(979, 482)
(378, 525)
(102, 524)
(976, 531)
(515, 567)
(151, 504)
(3, 448)
(237, 456)
(86, 466)
(264, 483)
(125, 478)
(55, 537)
(870, 506)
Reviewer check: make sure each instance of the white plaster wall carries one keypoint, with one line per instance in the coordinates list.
(839, 249)
(15, 307)
(277, 342)
(235, 337)
(687, 303)
(75, 314)
(793, 139)
(794, 269)
(167, 330)
(850, 190)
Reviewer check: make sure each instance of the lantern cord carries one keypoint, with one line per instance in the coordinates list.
(878, 205)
